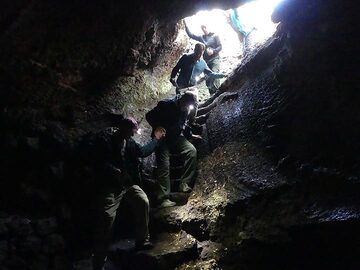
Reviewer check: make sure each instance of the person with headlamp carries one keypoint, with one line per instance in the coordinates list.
(173, 115)
(117, 168)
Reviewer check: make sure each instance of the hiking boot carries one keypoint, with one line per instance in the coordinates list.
(144, 245)
(183, 187)
(167, 203)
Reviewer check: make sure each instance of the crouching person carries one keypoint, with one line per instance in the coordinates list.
(119, 178)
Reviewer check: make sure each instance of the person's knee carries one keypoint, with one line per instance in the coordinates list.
(191, 151)
(163, 163)
(140, 195)
(163, 157)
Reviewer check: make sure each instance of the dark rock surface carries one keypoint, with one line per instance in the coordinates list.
(275, 188)
(278, 177)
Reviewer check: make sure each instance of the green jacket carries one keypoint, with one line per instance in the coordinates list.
(102, 153)
(132, 163)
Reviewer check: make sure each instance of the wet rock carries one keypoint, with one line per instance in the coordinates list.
(200, 265)
(197, 227)
(209, 250)
(46, 226)
(165, 219)
(169, 250)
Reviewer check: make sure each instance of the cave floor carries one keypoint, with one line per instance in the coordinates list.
(244, 212)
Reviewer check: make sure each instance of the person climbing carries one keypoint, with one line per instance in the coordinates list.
(211, 55)
(173, 115)
(189, 69)
(118, 175)
(239, 28)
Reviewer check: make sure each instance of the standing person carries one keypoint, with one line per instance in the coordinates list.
(239, 28)
(172, 114)
(189, 69)
(211, 55)
(118, 176)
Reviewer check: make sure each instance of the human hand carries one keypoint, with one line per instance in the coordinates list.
(209, 51)
(159, 133)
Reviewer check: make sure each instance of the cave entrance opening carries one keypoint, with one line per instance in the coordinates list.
(241, 31)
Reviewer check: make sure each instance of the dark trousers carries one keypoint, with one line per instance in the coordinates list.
(187, 152)
(213, 84)
(107, 204)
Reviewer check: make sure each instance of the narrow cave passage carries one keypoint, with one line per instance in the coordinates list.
(278, 167)
(241, 30)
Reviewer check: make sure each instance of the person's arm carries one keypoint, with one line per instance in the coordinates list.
(147, 149)
(236, 13)
(142, 151)
(213, 75)
(193, 36)
(218, 45)
(176, 69)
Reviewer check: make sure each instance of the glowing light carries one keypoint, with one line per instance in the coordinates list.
(255, 17)
(139, 131)
(191, 107)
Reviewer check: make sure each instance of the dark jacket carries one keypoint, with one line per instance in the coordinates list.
(102, 153)
(185, 65)
(168, 115)
(133, 152)
(210, 40)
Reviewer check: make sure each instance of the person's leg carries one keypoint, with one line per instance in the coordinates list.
(189, 155)
(108, 203)
(213, 85)
(139, 203)
(163, 171)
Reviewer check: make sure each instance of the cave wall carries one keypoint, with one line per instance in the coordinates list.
(65, 61)
(65, 64)
(64, 58)
(298, 95)
(280, 185)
